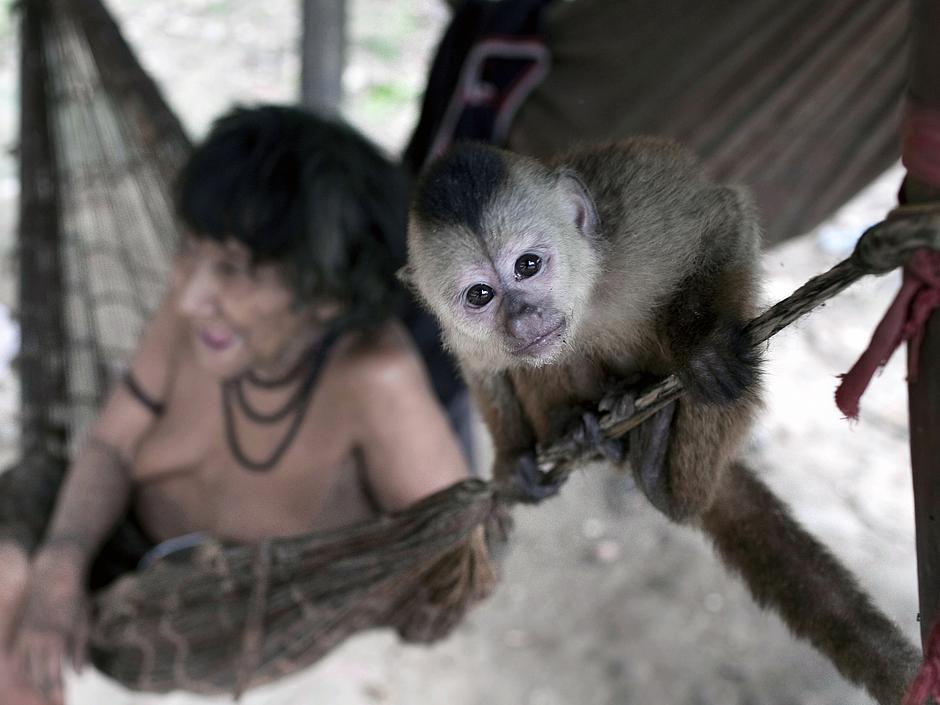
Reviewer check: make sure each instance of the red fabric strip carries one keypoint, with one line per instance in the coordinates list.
(905, 320)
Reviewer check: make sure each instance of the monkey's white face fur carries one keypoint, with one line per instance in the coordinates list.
(509, 288)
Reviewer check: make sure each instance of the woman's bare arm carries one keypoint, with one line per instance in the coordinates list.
(97, 486)
(93, 498)
(409, 447)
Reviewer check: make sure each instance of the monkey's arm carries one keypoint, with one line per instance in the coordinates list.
(701, 331)
(702, 324)
(514, 440)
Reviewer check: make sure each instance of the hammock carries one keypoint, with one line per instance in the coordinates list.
(98, 152)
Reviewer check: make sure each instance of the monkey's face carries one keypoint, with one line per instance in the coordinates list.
(509, 281)
(510, 301)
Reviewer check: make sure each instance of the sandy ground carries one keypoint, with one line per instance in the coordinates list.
(603, 602)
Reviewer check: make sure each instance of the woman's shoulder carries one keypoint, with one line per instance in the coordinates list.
(407, 444)
(382, 360)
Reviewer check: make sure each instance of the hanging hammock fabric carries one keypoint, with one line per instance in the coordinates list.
(798, 99)
(218, 618)
(98, 152)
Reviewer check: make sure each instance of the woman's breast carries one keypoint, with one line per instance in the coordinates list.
(189, 480)
(183, 437)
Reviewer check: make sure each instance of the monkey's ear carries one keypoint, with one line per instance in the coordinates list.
(578, 200)
(406, 276)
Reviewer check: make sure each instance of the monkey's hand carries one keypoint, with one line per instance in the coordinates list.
(589, 439)
(723, 367)
(528, 484)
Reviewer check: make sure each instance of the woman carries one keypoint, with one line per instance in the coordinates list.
(272, 393)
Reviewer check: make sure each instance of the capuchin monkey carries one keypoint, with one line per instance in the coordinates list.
(556, 284)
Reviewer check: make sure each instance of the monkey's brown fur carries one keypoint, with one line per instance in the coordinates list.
(644, 268)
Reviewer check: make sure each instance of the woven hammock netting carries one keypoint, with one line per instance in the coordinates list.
(99, 151)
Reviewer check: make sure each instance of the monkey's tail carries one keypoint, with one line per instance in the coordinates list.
(789, 570)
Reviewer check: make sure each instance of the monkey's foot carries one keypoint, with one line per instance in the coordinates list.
(648, 445)
(531, 485)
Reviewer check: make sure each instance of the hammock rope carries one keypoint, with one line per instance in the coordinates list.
(254, 613)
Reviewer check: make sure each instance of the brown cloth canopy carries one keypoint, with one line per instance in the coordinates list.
(797, 99)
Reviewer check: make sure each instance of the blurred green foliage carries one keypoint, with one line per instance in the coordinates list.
(382, 97)
(381, 46)
(6, 18)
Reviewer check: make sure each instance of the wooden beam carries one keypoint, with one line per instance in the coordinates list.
(323, 54)
(924, 392)
(924, 405)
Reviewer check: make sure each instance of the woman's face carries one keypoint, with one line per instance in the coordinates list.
(241, 315)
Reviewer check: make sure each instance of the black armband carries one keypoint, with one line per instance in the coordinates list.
(133, 386)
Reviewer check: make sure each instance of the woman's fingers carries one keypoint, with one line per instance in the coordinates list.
(39, 654)
(79, 646)
(49, 668)
(13, 580)
(14, 687)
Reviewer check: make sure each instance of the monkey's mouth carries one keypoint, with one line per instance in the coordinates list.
(543, 345)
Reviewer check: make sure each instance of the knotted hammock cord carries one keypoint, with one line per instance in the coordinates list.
(253, 633)
(905, 320)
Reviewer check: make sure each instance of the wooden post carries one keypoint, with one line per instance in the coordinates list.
(323, 53)
(924, 405)
(922, 184)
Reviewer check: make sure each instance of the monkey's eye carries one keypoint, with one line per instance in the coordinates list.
(479, 295)
(527, 266)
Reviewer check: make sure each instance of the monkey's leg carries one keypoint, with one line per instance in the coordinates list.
(789, 570)
(648, 447)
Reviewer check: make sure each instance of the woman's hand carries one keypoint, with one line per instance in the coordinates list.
(14, 577)
(16, 691)
(53, 625)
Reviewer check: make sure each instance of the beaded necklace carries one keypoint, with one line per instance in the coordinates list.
(234, 397)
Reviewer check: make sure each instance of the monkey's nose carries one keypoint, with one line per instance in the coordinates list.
(517, 306)
(523, 310)
(525, 324)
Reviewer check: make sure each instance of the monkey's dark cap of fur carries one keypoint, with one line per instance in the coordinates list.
(458, 187)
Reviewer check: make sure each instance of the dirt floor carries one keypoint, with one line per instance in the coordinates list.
(603, 602)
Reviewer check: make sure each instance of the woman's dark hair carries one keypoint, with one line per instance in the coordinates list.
(307, 192)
